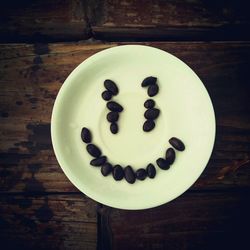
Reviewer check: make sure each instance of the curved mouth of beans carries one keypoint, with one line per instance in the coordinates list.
(128, 173)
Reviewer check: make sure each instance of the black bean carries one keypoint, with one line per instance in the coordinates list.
(177, 143)
(151, 114)
(106, 95)
(113, 116)
(163, 164)
(153, 90)
(106, 169)
(151, 80)
(129, 175)
(148, 125)
(86, 135)
(114, 128)
(98, 161)
(149, 104)
(141, 174)
(114, 106)
(94, 150)
(111, 86)
(151, 170)
(118, 172)
(170, 155)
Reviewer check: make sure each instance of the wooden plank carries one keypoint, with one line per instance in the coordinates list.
(32, 75)
(171, 20)
(68, 20)
(48, 222)
(34, 21)
(193, 221)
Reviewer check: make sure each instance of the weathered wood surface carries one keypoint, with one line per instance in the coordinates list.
(164, 20)
(59, 20)
(196, 220)
(68, 20)
(30, 77)
(48, 222)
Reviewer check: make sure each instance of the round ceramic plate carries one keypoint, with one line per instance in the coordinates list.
(186, 113)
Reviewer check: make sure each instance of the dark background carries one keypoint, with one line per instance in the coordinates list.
(41, 43)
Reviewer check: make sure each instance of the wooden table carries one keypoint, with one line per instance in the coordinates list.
(41, 43)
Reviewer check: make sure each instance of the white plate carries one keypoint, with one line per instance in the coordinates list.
(186, 113)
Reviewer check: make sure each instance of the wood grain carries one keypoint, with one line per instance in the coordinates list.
(31, 75)
(68, 20)
(48, 222)
(171, 20)
(36, 21)
(193, 221)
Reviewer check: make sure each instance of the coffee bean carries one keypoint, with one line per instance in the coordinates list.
(129, 175)
(86, 135)
(106, 95)
(151, 170)
(151, 80)
(118, 172)
(163, 164)
(141, 174)
(149, 104)
(114, 106)
(114, 128)
(98, 161)
(93, 150)
(153, 90)
(111, 86)
(151, 114)
(170, 155)
(177, 143)
(106, 169)
(148, 125)
(113, 116)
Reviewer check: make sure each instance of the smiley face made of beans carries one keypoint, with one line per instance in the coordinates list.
(151, 114)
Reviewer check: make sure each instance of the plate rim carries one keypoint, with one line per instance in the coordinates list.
(80, 186)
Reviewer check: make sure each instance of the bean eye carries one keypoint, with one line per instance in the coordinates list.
(151, 112)
(114, 107)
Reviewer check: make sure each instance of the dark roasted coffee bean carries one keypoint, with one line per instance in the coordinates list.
(106, 95)
(111, 86)
(114, 128)
(177, 143)
(151, 170)
(141, 174)
(114, 106)
(118, 172)
(148, 81)
(129, 175)
(163, 164)
(170, 155)
(98, 161)
(153, 90)
(148, 125)
(86, 135)
(151, 114)
(113, 116)
(149, 104)
(94, 150)
(106, 169)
